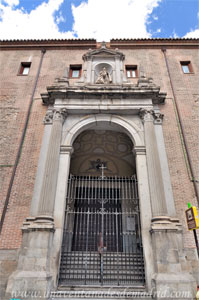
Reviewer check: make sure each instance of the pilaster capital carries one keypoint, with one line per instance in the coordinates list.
(55, 115)
(151, 115)
(60, 114)
(146, 114)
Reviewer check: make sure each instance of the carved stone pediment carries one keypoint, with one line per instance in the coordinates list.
(96, 60)
(103, 52)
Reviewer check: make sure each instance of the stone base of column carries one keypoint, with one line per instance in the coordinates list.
(174, 286)
(33, 278)
(173, 274)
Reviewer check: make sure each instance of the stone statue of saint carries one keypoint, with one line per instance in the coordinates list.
(104, 77)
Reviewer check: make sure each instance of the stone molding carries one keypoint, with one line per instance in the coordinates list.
(165, 223)
(66, 149)
(39, 223)
(113, 91)
(139, 150)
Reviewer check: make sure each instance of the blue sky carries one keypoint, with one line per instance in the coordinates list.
(99, 19)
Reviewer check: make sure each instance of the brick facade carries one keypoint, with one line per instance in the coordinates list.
(15, 97)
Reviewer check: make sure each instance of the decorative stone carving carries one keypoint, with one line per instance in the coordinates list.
(103, 50)
(60, 114)
(104, 77)
(158, 118)
(48, 119)
(55, 114)
(151, 115)
(146, 115)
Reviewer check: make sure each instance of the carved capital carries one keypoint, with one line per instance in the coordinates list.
(48, 119)
(151, 115)
(55, 115)
(158, 118)
(60, 114)
(146, 114)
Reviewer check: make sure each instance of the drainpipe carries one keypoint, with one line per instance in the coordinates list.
(21, 142)
(182, 133)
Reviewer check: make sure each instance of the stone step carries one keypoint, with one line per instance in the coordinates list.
(100, 294)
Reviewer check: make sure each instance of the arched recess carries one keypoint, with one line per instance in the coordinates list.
(98, 146)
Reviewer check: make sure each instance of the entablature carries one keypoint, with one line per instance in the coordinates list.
(126, 94)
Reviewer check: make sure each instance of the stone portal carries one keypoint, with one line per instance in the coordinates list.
(102, 242)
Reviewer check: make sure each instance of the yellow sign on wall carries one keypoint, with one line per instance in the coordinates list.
(192, 218)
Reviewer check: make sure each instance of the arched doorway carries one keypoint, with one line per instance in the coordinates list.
(102, 242)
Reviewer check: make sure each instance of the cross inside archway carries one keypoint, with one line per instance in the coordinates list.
(102, 167)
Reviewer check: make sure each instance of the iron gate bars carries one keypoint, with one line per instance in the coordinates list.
(102, 238)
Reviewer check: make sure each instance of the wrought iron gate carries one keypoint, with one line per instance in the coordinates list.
(102, 239)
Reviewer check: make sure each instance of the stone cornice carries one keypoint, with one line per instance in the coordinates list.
(153, 43)
(91, 43)
(48, 44)
(103, 92)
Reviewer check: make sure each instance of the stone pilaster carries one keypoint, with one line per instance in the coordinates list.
(169, 276)
(47, 196)
(146, 211)
(34, 272)
(158, 201)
